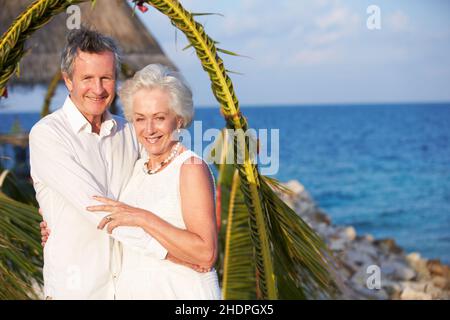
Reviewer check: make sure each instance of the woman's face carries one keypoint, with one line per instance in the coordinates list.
(154, 121)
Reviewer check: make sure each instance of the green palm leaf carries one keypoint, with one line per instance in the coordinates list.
(12, 41)
(239, 276)
(236, 259)
(303, 266)
(20, 248)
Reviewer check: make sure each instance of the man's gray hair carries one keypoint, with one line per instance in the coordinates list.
(90, 41)
(161, 77)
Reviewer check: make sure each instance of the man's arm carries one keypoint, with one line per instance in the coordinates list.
(53, 164)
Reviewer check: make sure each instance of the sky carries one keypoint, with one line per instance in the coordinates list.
(321, 51)
(314, 52)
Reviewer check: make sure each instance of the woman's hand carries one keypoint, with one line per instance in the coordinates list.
(121, 214)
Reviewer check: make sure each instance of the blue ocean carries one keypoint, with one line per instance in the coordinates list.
(385, 169)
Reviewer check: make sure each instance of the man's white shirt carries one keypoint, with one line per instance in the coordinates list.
(69, 165)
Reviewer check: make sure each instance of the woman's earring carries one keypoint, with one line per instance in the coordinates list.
(180, 138)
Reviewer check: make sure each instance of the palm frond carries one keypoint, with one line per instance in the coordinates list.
(235, 72)
(12, 41)
(20, 249)
(304, 266)
(45, 109)
(231, 53)
(291, 240)
(19, 190)
(195, 14)
(239, 270)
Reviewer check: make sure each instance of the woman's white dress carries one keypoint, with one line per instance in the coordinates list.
(144, 276)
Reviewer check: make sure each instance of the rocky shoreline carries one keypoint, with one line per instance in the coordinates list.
(372, 268)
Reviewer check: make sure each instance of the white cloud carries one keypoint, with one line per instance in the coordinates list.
(310, 30)
(337, 18)
(321, 44)
(398, 22)
(314, 56)
(324, 39)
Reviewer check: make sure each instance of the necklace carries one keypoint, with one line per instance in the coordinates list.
(172, 154)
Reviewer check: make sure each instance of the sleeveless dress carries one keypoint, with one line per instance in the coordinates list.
(145, 276)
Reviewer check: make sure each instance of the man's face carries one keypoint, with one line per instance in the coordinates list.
(92, 85)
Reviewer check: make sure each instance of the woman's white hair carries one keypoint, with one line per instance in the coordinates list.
(159, 76)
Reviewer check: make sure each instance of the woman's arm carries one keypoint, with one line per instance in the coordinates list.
(198, 243)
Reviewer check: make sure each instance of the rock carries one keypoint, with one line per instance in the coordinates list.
(372, 294)
(407, 277)
(367, 248)
(410, 294)
(380, 294)
(388, 245)
(337, 244)
(363, 282)
(340, 238)
(388, 270)
(440, 282)
(295, 186)
(397, 271)
(359, 278)
(436, 293)
(392, 288)
(368, 238)
(413, 258)
(357, 259)
(416, 286)
(419, 265)
(404, 273)
(437, 268)
(320, 217)
(324, 230)
(348, 233)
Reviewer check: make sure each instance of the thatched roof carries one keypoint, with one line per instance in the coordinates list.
(112, 17)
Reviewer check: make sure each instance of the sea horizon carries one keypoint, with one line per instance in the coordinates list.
(283, 105)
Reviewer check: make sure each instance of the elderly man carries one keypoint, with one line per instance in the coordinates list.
(79, 151)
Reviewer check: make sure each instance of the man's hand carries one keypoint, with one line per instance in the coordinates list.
(194, 267)
(45, 231)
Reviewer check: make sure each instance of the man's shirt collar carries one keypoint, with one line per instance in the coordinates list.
(79, 123)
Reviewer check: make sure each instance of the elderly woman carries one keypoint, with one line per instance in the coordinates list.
(170, 195)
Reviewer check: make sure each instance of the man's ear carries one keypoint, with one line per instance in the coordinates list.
(67, 81)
